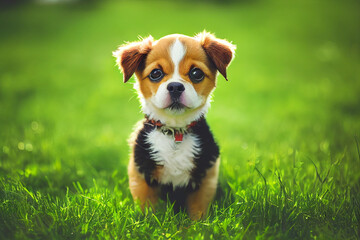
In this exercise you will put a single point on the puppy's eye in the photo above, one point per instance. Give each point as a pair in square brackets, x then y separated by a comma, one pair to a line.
[196, 75]
[156, 75]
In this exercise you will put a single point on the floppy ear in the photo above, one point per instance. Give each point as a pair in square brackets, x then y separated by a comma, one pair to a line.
[129, 56]
[220, 51]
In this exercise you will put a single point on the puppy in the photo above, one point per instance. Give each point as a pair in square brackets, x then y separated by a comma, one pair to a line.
[174, 155]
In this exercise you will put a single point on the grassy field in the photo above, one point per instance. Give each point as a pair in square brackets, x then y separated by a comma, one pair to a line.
[287, 121]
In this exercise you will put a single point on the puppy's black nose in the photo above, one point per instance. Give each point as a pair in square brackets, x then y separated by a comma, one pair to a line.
[175, 89]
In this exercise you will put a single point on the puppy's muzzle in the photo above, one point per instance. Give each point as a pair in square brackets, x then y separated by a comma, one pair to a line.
[175, 90]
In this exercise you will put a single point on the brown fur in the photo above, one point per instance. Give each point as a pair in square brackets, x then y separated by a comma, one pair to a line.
[198, 202]
[139, 189]
[159, 58]
[220, 51]
[130, 56]
[143, 56]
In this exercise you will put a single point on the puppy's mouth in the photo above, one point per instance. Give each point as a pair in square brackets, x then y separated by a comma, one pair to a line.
[176, 106]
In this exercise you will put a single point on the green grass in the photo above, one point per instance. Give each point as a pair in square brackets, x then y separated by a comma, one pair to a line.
[288, 121]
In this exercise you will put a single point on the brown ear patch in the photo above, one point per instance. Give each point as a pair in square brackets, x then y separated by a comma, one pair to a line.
[130, 56]
[219, 51]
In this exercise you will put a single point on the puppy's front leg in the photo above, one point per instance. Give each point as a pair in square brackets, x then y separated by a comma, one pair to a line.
[139, 189]
[198, 201]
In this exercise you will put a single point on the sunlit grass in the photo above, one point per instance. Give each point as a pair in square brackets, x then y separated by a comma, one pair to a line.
[287, 121]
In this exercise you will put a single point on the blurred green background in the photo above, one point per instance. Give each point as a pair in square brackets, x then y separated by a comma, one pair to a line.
[291, 107]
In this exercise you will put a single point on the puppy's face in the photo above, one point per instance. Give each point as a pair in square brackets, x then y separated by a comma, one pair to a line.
[176, 74]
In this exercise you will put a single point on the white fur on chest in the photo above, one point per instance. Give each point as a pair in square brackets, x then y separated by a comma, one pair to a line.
[177, 159]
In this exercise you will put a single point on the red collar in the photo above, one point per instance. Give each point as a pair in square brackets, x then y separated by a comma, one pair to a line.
[178, 133]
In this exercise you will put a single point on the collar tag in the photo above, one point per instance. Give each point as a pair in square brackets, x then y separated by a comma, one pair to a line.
[178, 137]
